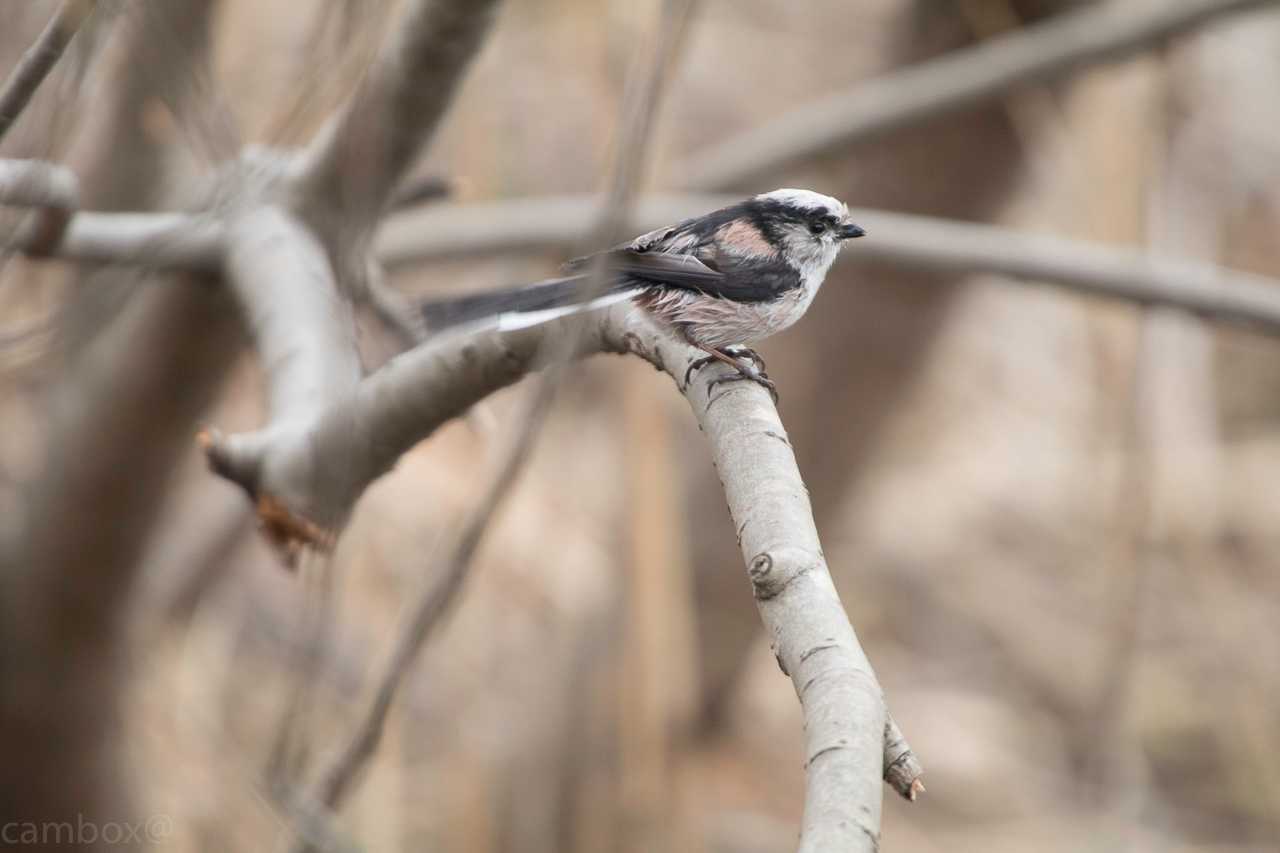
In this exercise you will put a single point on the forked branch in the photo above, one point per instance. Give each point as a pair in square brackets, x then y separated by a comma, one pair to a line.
[851, 742]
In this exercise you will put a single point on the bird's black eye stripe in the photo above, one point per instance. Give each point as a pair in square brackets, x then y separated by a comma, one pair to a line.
[821, 224]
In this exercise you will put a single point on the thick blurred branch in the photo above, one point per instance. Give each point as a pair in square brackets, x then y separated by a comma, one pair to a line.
[355, 165]
[171, 241]
[52, 190]
[39, 60]
[288, 255]
[931, 89]
[304, 333]
[897, 239]
[390, 411]
[301, 327]
[32, 183]
[120, 415]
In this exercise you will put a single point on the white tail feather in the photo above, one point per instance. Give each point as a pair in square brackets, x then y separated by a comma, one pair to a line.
[513, 320]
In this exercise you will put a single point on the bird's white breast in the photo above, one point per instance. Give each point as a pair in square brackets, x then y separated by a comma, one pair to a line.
[718, 323]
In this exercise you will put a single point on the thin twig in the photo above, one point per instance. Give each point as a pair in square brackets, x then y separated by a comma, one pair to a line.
[307, 658]
[393, 308]
[896, 239]
[310, 820]
[902, 769]
[427, 611]
[951, 83]
[39, 60]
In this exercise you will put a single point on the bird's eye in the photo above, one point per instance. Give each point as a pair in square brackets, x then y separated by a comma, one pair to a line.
[817, 227]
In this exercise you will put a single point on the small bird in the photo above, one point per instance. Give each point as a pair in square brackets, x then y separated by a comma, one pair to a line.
[722, 281]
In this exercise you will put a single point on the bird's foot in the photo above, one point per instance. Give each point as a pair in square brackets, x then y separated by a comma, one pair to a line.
[746, 371]
[738, 353]
[696, 365]
[746, 361]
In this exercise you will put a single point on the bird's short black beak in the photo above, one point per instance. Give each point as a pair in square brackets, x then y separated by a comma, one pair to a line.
[848, 231]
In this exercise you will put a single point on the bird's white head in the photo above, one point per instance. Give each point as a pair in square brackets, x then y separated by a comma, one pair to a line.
[808, 227]
[807, 201]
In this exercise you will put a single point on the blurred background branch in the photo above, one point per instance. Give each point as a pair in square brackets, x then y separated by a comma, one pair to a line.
[1104, 31]
[131, 380]
[39, 60]
[899, 240]
[355, 164]
[32, 183]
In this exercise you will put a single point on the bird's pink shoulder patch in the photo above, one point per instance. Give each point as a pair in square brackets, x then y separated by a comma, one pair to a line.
[744, 238]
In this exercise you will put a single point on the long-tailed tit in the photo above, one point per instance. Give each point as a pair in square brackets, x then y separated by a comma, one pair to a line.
[722, 281]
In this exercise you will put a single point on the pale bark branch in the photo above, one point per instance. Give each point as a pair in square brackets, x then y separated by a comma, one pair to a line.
[34, 183]
[302, 330]
[948, 84]
[897, 239]
[391, 410]
[850, 740]
[300, 325]
[1136, 276]
[355, 165]
[39, 60]
[52, 190]
[172, 241]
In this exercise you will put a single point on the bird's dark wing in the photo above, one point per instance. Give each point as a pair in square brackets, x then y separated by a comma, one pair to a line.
[694, 236]
[673, 239]
[690, 259]
[713, 273]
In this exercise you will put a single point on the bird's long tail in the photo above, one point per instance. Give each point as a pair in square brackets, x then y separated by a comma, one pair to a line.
[518, 308]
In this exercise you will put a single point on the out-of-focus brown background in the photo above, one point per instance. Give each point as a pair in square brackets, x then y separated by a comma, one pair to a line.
[1052, 518]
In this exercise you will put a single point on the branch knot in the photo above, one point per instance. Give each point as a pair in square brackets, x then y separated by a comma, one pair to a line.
[771, 573]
